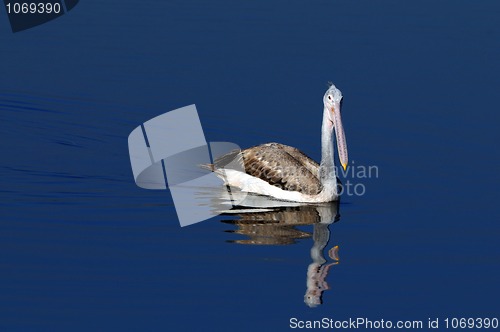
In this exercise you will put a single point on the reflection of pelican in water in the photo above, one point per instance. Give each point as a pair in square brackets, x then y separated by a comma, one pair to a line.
[283, 172]
[277, 225]
[317, 270]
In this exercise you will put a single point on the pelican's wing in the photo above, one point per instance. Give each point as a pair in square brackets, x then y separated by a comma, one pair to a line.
[282, 167]
[308, 163]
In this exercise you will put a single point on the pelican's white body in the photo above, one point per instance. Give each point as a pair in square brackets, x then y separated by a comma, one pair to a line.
[248, 183]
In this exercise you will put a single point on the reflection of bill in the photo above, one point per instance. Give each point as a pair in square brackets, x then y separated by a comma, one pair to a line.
[167, 151]
[25, 14]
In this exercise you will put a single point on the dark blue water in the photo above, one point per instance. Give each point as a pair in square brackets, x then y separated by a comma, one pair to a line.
[83, 248]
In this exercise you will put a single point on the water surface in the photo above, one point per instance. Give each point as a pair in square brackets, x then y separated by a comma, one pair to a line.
[83, 248]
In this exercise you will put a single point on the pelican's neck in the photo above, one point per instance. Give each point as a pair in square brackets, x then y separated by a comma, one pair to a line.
[327, 175]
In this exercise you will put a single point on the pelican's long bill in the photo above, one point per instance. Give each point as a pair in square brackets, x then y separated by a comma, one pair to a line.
[339, 133]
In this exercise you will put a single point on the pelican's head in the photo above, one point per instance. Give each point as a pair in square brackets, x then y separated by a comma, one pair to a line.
[332, 95]
[333, 101]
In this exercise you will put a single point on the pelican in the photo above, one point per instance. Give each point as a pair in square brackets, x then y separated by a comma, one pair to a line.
[285, 173]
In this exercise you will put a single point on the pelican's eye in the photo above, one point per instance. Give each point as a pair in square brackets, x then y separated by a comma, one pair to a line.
[329, 97]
